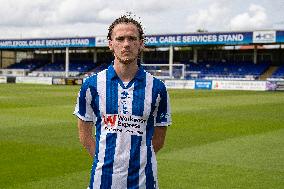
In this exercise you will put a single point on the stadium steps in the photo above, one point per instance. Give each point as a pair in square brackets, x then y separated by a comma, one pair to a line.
[268, 72]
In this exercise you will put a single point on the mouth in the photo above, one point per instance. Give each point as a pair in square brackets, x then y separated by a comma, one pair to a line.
[125, 52]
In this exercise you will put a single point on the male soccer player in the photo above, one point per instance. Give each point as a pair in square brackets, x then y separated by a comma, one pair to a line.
[130, 111]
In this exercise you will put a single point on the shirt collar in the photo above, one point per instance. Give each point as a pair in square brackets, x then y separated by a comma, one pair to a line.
[139, 74]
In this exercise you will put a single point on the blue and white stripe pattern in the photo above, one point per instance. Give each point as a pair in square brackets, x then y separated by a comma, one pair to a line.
[124, 117]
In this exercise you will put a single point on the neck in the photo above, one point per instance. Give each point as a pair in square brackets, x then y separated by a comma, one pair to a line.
[125, 71]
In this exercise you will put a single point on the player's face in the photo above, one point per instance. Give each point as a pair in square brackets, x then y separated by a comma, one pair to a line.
[125, 43]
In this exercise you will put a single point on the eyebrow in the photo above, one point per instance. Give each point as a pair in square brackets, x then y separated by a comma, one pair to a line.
[131, 37]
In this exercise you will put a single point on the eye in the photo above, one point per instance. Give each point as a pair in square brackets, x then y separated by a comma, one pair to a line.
[119, 39]
[132, 38]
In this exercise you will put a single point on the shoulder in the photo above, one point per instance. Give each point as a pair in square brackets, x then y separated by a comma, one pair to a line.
[158, 85]
[92, 79]
[154, 78]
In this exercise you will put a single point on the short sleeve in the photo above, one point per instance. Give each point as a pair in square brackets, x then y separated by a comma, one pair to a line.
[83, 109]
[163, 117]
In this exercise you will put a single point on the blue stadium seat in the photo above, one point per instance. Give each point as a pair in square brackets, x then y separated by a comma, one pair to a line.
[28, 64]
[75, 66]
[279, 73]
[227, 69]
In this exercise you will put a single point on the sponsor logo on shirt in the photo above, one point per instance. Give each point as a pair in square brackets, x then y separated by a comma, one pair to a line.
[125, 98]
[124, 124]
[110, 120]
[164, 116]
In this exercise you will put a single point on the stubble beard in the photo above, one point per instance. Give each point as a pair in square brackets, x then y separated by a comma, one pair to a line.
[126, 61]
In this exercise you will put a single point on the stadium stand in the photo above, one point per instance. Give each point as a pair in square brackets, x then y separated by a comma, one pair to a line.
[100, 66]
[28, 64]
[76, 68]
[53, 67]
[245, 70]
[81, 66]
[22, 68]
[278, 74]
[225, 70]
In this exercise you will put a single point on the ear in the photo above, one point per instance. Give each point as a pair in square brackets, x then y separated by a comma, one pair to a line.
[142, 45]
[110, 45]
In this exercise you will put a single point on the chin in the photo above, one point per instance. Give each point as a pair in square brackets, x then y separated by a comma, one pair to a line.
[126, 60]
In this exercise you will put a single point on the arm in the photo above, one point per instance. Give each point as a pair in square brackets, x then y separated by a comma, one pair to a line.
[159, 138]
[86, 137]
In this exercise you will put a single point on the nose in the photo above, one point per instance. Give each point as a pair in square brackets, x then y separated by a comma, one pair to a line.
[126, 42]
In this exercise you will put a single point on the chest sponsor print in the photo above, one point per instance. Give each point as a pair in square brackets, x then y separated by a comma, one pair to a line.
[134, 125]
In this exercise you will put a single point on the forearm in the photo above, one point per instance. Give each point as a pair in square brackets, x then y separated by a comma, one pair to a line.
[157, 146]
[159, 138]
[86, 136]
[90, 145]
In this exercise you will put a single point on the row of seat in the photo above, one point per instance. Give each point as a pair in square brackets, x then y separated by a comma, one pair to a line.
[193, 70]
[58, 66]
[228, 69]
[28, 64]
[279, 73]
[78, 66]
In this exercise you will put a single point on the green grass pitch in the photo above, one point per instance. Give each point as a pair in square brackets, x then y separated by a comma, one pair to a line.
[219, 139]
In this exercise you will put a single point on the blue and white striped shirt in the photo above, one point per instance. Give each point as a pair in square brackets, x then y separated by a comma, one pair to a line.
[124, 117]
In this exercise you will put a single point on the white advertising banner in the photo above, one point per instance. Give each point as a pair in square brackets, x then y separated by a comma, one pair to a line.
[3, 79]
[240, 85]
[34, 80]
[180, 84]
[101, 41]
[264, 37]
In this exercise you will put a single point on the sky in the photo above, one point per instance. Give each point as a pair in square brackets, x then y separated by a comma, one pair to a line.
[87, 18]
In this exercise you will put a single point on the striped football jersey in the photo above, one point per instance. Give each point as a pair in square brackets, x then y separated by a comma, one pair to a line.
[124, 116]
